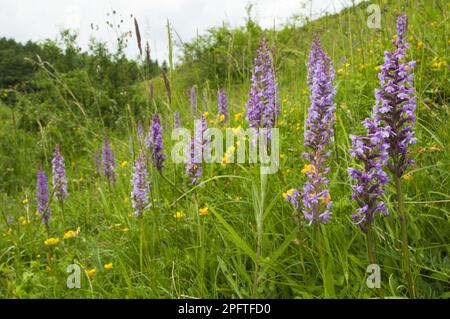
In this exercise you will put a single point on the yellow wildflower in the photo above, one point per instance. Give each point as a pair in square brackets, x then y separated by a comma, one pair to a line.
[238, 198]
[71, 233]
[407, 177]
[237, 116]
[288, 192]
[51, 241]
[285, 101]
[221, 118]
[205, 114]
[91, 272]
[326, 198]
[420, 45]
[123, 164]
[237, 130]
[25, 201]
[203, 211]
[225, 158]
[108, 266]
[308, 169]
[23, 220]
[125, 229]
[438, 63]
[179, 214]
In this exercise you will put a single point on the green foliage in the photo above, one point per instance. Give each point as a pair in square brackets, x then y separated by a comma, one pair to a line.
[74, 98]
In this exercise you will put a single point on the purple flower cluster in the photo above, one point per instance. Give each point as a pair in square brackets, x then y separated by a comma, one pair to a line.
[395, 101]
[141, 186]
[155, 143]
[222, 102]
[59, 175]
[372, 151]
[108, 161]
[193, 96]
[292, 196]
[263, 105]
[42, 196]
[198, 146]
[320, 119]
[319, 130]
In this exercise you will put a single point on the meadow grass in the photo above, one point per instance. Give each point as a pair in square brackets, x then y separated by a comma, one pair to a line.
[215, 255]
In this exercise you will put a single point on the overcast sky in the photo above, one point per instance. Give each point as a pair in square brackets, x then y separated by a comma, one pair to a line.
[38, 20]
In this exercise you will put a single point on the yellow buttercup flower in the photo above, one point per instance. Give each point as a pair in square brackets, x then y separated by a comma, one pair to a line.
[438, 63]
[237, 116]
[308, 169]
[205, 114]
[231, 149]
[25, 201]
[203, 211]
[125, 229]
[123, 164]
[288, 192]
[51, 241]
[108, 266]
[407, 177]
[23, 220]
[221, 118]
[91, 272]
[326, 198]
[179, 214]
[420, 45]
[71, 233]
[237, 130]
[285, 101]
[225, 158]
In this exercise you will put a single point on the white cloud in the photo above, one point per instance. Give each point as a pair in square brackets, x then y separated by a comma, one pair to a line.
[38, 20]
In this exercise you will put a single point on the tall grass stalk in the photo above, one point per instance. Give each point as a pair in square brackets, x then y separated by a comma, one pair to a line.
[259, 234]
[404, 230]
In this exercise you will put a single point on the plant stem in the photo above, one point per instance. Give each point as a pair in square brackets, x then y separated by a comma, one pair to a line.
[259, 234]
[323, 267]
[141, 243]
[404, 229]
[371, 254]
[63, 213]
[371, 245]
